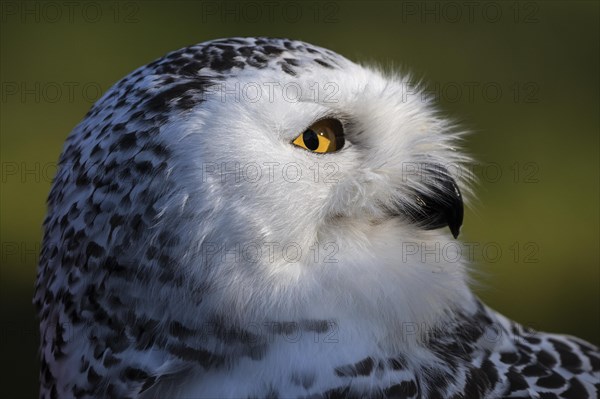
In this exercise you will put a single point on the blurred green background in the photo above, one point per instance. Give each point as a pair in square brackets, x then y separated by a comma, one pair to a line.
[523, 77]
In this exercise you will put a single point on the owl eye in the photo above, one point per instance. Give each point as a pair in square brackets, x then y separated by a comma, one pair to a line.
[326, 135]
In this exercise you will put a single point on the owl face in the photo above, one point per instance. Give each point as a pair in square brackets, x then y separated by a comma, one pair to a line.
[296, 154]
[304, 181]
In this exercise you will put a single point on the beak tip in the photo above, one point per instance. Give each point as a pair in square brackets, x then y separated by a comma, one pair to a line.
[455, 232]
[455, 221]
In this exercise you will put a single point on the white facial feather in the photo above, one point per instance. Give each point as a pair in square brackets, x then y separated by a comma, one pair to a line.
[254, 189]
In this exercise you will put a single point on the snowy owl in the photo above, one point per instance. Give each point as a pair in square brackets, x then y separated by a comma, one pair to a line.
[263, 218]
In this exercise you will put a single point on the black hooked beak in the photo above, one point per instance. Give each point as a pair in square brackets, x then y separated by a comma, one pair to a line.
[441, 204]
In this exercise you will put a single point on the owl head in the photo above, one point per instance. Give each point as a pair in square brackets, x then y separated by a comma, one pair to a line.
[259, 179]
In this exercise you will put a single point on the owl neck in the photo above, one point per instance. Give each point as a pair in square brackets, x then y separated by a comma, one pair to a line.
[385, 283]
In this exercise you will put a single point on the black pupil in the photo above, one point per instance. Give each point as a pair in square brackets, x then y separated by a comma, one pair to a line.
[311, 140]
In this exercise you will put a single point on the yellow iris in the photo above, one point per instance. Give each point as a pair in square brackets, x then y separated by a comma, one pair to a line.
[326, 135]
